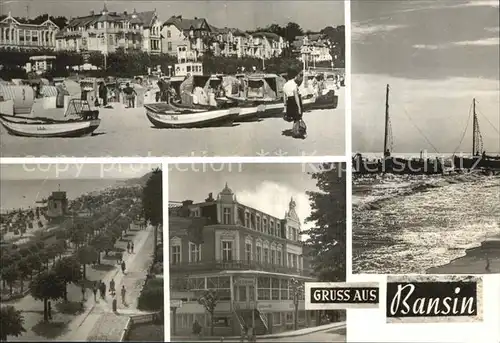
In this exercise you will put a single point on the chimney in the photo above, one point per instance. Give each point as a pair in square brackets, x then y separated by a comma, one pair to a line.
[92, 12]
[125, 12]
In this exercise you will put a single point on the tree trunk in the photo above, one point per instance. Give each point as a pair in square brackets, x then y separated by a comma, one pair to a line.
[10, 286]
[45, 310]
[296, 317]
[22, 285]
[65, 291]
[84, 274]
[211, 324]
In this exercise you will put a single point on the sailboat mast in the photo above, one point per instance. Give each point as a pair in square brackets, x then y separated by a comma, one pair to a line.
[386, 133]
[474, 126]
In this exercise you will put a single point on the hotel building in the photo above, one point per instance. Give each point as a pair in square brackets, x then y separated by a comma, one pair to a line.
[108, 31]
[252, 260]
[16, 35]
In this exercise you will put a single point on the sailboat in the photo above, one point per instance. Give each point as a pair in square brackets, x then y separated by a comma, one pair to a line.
[478, 160]
[395, 165]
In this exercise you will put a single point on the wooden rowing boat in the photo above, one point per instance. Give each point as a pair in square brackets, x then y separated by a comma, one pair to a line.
[48, 128]
[162, 116]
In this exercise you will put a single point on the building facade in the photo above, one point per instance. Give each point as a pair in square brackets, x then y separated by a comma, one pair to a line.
[107, 32]
[16, 35]
[254, 262]
[185, 35]
[313, 48]
[57, 205]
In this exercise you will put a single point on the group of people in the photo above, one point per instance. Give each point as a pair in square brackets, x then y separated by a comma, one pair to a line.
[167, 92]
[101, 288]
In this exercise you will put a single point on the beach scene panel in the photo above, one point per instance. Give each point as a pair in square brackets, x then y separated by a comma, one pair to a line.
[105, 80]
[81, 249]
[425, 114]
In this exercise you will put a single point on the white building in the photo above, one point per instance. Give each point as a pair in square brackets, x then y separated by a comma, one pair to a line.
[108, 31]
[16, 35]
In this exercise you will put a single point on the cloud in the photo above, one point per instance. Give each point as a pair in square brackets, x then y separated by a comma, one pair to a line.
[358, 31]
[478, 42]
[273, 198]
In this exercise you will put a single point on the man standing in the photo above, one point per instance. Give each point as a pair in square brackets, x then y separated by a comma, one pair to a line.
[130, 93]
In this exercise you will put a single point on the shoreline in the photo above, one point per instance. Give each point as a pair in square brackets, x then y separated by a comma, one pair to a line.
[475, 260]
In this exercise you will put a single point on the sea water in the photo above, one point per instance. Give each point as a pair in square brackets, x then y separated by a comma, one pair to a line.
[407, 224]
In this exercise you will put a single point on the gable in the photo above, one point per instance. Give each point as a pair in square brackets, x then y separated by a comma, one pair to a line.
[49, 23]
[10, 20]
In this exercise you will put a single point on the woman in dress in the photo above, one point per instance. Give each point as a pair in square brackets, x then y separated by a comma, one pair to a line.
[293, 103]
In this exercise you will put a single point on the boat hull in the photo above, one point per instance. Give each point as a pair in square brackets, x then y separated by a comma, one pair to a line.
[470, 163]
[40, 128]
[191, 120]
[261, 111]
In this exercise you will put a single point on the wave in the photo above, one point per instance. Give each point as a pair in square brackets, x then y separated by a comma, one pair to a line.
[370, 192]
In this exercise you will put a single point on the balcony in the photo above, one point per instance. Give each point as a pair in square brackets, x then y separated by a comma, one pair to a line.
[219, 265]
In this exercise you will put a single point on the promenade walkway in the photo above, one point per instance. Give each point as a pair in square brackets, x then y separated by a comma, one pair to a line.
[98, 322]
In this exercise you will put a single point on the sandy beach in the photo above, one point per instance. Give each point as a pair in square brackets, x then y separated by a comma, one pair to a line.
[475, 260]
[128, 133]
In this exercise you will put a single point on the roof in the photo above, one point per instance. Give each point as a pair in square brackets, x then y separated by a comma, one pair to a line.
[11, 20]
[142, 18]
[268, 35]
[184, 24]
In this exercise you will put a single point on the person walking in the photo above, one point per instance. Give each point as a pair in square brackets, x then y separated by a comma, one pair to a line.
[103, 285]
[94, 290]
[123, 293]
[103, 94]
[112, 290]
[293, 104]
[131, 247]
[128, 247]
[130, 93]
[123, 267]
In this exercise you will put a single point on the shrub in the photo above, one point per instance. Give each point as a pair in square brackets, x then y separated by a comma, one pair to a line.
[151, 298]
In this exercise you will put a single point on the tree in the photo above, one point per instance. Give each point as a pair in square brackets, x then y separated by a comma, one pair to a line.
[69, 271]
[297, 291]
[11, 322]
[152, 202]
[291, 31]
[10, 274]
[327, 238]
[24, 270]
[104, 242]
[87, 255]
[209, 300]
[47, 286]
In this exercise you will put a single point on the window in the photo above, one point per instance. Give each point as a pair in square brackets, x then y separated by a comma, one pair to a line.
[276, 318]
[227, 210]
[227, 250]
[264, 225]
[248, 251]
[289, 260]
[278, 257]
[169, 45]
[266, 255]
[176, 254]
[273, 256]
[289, 317]
[194, 252]
[259, 254]
[247, 219]
[271, 224]
[169, 34]
[284, 289]
[258, 224]
[278, 229]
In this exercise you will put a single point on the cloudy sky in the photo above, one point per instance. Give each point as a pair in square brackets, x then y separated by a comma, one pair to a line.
[74, 171]
[267, 187]
[313, 15]
[436, 56]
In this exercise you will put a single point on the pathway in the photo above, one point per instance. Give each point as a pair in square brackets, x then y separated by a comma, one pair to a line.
[99, 323]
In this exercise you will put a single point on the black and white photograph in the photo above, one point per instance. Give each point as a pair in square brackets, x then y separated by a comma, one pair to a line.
[243, 240]
[81, 252]
[425, 137]
[172, 78]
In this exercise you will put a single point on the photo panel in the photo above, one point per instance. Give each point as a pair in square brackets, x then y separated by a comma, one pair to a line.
[425, 137]
[82, 252]
[243, 240]
[225, 78]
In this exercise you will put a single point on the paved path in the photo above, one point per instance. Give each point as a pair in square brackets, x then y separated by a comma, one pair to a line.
[99, 323]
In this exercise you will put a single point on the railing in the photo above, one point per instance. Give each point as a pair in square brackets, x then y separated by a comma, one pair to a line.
[235, 265]
[264, 320]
